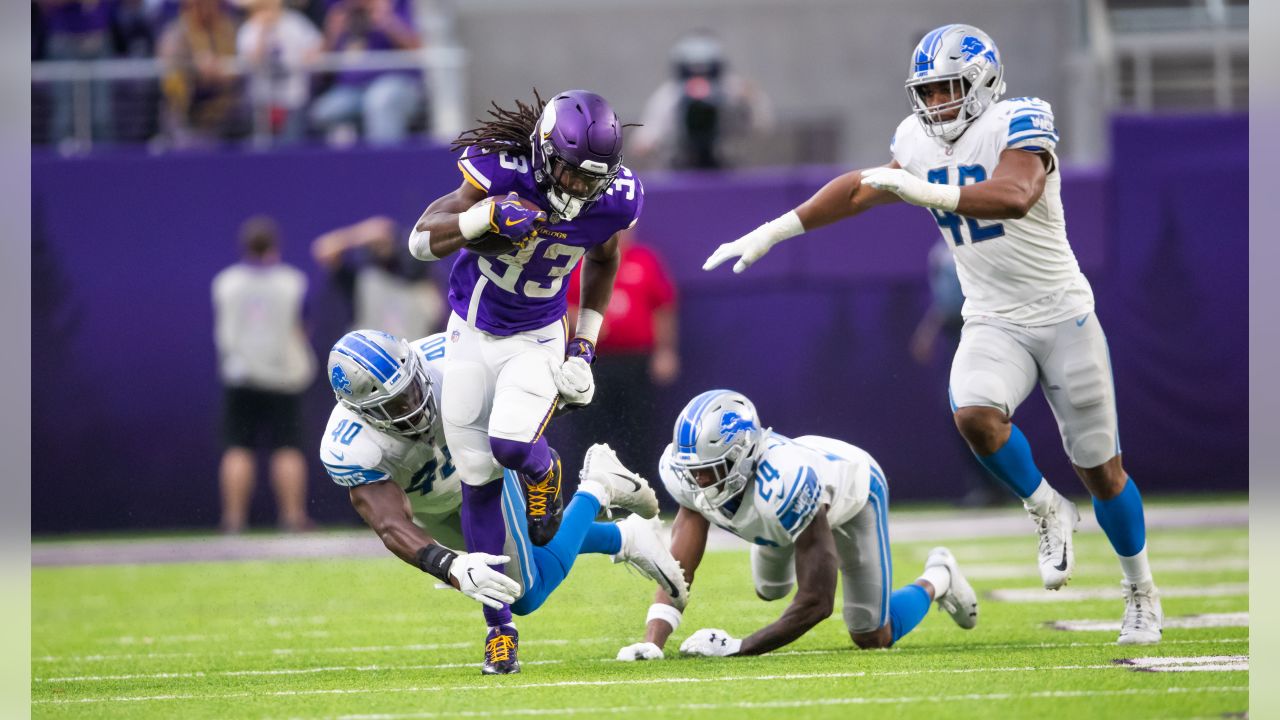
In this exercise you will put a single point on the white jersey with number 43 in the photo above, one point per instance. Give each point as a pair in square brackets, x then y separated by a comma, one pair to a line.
[793, 479]
[1022, 271]
[356, 453]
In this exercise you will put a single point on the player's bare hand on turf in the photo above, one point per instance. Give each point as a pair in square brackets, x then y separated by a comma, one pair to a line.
[640, 651]
[508, 217]
[748, 249]
[710, 642]
[473, 576]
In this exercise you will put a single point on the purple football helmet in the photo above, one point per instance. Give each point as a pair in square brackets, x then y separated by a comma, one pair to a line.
[577, 151]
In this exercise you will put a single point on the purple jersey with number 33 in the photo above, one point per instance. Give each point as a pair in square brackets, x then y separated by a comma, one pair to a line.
[526, 290]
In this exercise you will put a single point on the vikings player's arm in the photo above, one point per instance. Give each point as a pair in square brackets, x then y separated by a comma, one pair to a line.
[467, 214]
[816, 564]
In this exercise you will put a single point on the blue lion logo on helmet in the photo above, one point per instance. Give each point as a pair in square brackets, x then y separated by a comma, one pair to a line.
[972, 46]
[732, 423]
[339, 380]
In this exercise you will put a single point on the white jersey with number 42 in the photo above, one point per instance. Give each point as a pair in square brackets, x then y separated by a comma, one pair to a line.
[356, 453]
[1022, 271]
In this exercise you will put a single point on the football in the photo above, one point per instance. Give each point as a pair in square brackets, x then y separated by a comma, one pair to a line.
[491, 244]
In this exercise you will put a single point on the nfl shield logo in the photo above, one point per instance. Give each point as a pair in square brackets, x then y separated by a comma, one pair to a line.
[453, 337]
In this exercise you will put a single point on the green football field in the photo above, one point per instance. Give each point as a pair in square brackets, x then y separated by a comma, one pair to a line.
[371, 638]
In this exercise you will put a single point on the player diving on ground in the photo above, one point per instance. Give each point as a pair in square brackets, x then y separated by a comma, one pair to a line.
[384, 442]
[811, 507]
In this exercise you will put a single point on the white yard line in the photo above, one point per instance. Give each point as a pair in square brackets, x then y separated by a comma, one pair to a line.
[1206, 620]
[1028, 569]
[1080, 594]
[575, 683]
[781, 704]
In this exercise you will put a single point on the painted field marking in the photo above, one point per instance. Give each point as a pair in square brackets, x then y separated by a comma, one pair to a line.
[1203, 663]
[817, 702]
[280, 671]
[1207, 620]
[111, 657]
[572, 683]
[1010, 571]
[1040, 595]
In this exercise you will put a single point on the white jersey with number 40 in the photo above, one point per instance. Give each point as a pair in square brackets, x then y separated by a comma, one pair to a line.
[1022, 271]
[356, 453]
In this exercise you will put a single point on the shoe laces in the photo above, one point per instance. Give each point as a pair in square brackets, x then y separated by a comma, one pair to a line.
[542, 493]
[1048, 539]
[499, 648]
[1139, 608]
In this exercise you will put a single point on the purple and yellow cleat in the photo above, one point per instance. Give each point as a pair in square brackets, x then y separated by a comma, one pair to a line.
[500, 651]
[544, 504]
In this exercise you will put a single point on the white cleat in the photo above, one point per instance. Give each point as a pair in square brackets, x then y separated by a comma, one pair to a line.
[625, 489]
[960, 601]
[1143, 616]
[1057, 554]
[644, 549]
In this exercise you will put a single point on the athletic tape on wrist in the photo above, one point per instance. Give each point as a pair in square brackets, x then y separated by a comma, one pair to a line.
[589, 323]
[474, 223]
[666, 613]
[436, 560]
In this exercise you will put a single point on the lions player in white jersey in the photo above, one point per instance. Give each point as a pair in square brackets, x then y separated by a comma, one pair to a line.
[809, 506]
[988, 172]
[384, 442]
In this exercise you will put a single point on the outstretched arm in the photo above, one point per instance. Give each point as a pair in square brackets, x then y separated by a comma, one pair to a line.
[688, 542]
[385, 508]
[843, 197]
[1010, 193]
[816, 564]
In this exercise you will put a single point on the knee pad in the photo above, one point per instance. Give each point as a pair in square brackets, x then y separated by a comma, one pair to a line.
[1093, 449]
[982, 388]
[474, 467]
[464, 393]
[773, 591]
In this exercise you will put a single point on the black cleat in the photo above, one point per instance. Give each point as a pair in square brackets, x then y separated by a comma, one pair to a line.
[544, 504]
[500, 651]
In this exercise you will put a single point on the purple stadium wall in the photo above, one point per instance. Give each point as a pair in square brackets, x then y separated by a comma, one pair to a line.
[126, 396]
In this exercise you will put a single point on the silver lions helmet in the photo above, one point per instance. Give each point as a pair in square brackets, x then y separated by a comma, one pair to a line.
[967, 60]
[718, 431]
[380, 378]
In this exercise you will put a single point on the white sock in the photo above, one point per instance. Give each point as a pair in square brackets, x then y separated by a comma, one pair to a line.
[940, 578]
[595, 490]
[1137, 571]
[1041, 500]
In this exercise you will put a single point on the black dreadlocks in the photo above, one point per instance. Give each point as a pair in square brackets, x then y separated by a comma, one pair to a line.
[509, 130]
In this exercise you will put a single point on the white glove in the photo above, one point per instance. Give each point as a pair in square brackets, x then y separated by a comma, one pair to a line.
[710, 642]
[482, 583]
[913, 189]
[640, 651]
[752, 246]
[574, 380]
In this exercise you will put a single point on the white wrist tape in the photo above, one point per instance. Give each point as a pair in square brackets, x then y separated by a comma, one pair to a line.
[941, 197]
[474, 222]
[420, 245]
[589, 322]
[665, 613]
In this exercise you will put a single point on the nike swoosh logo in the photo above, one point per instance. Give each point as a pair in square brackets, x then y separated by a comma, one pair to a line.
[1062, 566]
[634, 485]
[1080, 322]
[672, 590]
[543, 341]
[509, 223]
[340, 456]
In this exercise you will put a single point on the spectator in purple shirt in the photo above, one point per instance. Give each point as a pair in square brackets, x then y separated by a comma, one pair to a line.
[78, 30]
[384, 101]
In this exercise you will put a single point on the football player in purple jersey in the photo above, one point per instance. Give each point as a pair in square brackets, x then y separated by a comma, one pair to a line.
[512, 361]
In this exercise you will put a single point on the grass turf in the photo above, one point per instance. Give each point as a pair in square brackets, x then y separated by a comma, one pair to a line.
[307, 639]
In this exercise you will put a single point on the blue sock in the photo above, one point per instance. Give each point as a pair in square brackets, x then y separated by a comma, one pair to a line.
[603, 538]
[1122, 520]
[907, 607]
[555, 559]
[1012, 464]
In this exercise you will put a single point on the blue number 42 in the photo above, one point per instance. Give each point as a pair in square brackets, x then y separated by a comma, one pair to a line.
[968, 174]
